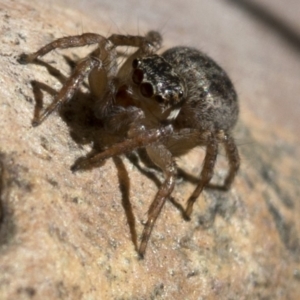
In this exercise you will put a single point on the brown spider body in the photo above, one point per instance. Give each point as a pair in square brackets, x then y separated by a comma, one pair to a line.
[167, 104]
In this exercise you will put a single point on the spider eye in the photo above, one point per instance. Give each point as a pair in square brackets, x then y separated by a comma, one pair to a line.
[180, 94]
[146, 90]
[159, 99]
[137, 76]
[135, 63]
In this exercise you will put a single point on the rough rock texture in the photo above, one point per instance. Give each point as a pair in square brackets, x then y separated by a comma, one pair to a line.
[73, 236]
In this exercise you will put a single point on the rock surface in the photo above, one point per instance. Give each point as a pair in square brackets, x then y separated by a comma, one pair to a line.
[73, 236]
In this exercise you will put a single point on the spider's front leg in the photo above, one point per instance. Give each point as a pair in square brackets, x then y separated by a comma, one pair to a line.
[83, 68]
[162, 157]
[158, 153]
[147, 44]
[63, 43]
[70, 87]
[141, 139]
[114, 103]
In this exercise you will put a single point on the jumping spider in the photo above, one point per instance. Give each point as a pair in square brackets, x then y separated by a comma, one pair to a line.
[167, 104]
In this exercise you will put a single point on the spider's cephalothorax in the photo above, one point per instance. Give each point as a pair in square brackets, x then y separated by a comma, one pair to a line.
[159, 91]
[167, 104]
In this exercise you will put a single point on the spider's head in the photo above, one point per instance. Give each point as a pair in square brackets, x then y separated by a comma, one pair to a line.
[158, 89]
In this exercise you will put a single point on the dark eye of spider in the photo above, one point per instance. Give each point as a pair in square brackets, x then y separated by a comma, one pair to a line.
[180, 94]
[135, 63]
[146, 90]
[137, 76]
[159, 99]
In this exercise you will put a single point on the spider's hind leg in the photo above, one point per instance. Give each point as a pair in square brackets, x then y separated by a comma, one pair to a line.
[232, 154]
[233, 159]
[207, 170]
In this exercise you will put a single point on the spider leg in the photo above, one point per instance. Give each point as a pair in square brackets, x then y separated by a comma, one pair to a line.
[140, 140]
[233, 159]
[207, 171]
[105, 83]
[63, 43]
[151, 42]
[162, 157]
[146, 45]
[70, 87]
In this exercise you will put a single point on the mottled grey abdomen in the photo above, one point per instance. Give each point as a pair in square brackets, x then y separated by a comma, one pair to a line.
[211, 102]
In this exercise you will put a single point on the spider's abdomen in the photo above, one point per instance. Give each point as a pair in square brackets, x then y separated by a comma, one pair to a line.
[211, 102]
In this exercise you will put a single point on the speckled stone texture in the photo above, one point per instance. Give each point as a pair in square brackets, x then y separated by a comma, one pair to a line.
[73, 236]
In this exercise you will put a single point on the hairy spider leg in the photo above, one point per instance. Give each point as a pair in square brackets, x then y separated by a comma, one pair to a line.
[150, 42]
[63, 43]
[69, 88]
[209, 163]
[92, 65]
[160, 155]
[207, 170]
[163, 158]
[233, 159]
[167, 165]
[141, 140]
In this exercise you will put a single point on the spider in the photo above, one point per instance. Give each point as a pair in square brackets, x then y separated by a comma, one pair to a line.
[166, 104]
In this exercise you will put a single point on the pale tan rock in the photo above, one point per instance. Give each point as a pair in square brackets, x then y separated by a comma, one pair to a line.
[71, 236]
